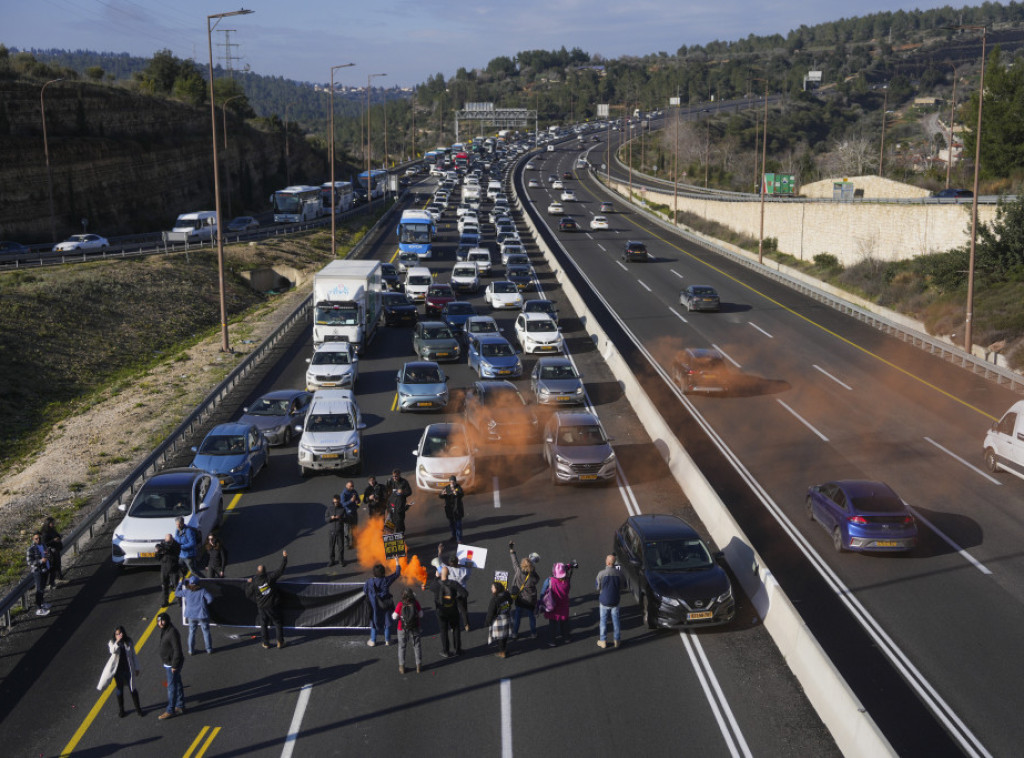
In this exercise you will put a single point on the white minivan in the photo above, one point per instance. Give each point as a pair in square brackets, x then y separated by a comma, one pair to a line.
[1004, 442]
[465, 277]
[493, 189]
[417, 280]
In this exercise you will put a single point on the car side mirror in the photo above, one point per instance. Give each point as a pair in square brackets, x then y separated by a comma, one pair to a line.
[361, 425]
[298, 429]
[309, 360]
[245, 410]
[415, 451]
[549, 440]
[122, 507]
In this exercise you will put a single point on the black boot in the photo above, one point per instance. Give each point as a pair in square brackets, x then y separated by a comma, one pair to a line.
[120, 703]
[135, 699]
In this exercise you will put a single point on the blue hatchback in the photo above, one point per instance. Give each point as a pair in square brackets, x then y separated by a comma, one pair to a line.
[234, 453]
[492, 357]
[862, 516]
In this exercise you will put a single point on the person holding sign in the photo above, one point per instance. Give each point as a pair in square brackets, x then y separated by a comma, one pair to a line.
[498, 618]
[378, 593]
[453, 509]
[262, 590]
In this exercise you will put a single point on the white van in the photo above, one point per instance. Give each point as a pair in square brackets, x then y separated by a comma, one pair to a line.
[417, 280]
[481, 257]
[1004, 442]
[331, 436]
[493, 189]
[465, 277]
[196, 226]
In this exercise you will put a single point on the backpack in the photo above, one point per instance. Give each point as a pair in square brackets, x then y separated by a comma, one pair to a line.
[410, 619]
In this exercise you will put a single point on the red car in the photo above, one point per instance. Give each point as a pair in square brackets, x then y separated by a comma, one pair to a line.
[438, 296]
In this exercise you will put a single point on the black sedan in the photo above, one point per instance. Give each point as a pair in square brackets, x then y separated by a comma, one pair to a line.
[520, 275]
[700, 297]
[568, 224]
[672, 573]
[397, 309]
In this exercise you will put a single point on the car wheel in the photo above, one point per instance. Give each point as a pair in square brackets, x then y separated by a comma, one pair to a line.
[810, 509]
[303, 472]
[990, 460]
[837, 540]
[287, 439]
[648, 612]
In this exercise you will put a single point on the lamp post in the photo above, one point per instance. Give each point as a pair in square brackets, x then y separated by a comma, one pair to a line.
[369, 142]
[225, 347]
[763, 187]
[224, 130]
[46, 152]
[334, 242]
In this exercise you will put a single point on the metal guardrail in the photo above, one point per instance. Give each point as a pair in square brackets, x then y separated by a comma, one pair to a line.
[181, 437]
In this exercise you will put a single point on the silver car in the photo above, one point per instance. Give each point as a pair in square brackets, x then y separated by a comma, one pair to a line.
[422, 386]
[555, 381]
[577, 449]
[276, 413]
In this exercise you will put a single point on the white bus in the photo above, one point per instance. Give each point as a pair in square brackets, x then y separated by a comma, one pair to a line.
[293, 205]
[343, 195]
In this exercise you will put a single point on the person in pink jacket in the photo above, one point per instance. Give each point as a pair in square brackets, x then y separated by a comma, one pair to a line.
[558, 586]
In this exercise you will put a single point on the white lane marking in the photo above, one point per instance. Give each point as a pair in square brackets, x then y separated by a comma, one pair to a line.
[497, 492]
[506, 718]
[841, 384]
[727, 725]
[293, 728]
[589, 235]
[626, 491]
[761, 330]
[622, 265]
[803, 421]
[960, 551]
[638, 281]
[726, 355]
[676, 273]
[601, 246]
[971, 466]
[678, 315]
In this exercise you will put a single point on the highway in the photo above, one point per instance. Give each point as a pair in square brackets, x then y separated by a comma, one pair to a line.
[724, 691]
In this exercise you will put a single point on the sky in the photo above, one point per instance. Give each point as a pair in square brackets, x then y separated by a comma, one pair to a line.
[409, 41]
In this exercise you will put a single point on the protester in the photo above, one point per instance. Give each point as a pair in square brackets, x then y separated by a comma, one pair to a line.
[350, 518]
[376, 498]
[609, 588]
[446, 601]
[39, 562]
[334, 516]
[216, 557]
[559, 584]
[122, 667]
[168, 553]
[378, 593]
[398, 502]
[498, 619]
[409, 614]
[188, 539]
[197, 601]
[55, 545]
[173, 659]
[262, 590]
[453, 508]
[458, 572]
[523, 589]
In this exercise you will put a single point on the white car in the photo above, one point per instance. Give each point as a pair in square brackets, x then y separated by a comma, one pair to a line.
[82, 243]
[462, 210]
[538, 333]
[530, 166]
[444, 451]
[481, 256]
[533, 184]
[331, 436]
[465, 277]
[568, 196]
[503, 295]
[469, 219]
[510, 248]
[334, 364]
[555, 209]
[406, 260]
[599, 222]
[558, 184]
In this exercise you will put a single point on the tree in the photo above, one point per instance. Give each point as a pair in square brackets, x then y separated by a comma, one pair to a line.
[1000, 245]
[162, 70]
[95, 73]
[1002, 144]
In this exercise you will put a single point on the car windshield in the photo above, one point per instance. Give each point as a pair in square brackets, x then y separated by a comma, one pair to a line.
[504, 288]
[330, 358]
[445, 445]
[589, 434]
[422, 375]
[517, 271]
[483, 327]
[557, 372]
[439, 292]
[409, 258]
[502, 397]
[268, 407]
[337, 315]
[540, 325]
[396, 298]
[436, 333]
[330, 422]
[460, 309]
[496, 350]
[223, 444]
[706, 362]
[418, 281]
[162, 502]
[677, 555]
[537, 306]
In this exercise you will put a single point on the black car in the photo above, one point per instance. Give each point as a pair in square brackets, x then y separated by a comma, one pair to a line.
[567, 175]
[389, 276]
[455, 314]
[521, 275]
[12, 249]
[951, 192]
[397, 309]
[634, 251]
[672, 574]
[568, 224]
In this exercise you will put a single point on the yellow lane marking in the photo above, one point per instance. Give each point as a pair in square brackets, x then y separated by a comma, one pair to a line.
[394, 403]
[202, 732]
[234, 502]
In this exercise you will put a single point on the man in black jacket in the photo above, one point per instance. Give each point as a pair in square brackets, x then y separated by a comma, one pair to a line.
[172, 657]
[169, 553]
[262, 590]
[398, 500]
[453, 509]
[447, 594]
[335, 517]
[376, 498]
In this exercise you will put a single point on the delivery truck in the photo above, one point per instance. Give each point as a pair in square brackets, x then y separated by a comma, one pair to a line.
[347, 303]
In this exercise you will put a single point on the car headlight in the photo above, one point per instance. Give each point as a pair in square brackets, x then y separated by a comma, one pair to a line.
[421, 469]
[305, 448]
[545, 391]
[725, 596]
[562, 459]
[239, 468]
[403, 395]
[670, 601]
[609, 459]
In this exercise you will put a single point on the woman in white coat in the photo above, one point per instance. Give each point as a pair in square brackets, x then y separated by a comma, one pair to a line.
[122, 667]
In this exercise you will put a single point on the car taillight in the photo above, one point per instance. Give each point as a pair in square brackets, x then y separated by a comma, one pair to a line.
[857, 520]
[908, 520]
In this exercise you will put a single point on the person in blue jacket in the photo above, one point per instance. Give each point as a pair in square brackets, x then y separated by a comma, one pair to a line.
[382, 604]
[188, 539]
[197, 600]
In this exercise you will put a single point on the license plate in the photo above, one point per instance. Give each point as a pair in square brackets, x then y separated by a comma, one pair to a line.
[423, 405]
[328, 384]
[442, 355]
[887, 543]
[699, 615]
[326, 456]
[504, 372]
[587, 477]
[563, 398]
[147, 555]
[546, 347]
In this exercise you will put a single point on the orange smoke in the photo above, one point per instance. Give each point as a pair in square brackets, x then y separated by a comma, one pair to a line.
[370, 552]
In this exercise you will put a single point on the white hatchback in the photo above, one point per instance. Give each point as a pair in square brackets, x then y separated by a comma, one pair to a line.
[501, 295]
[538, 333]
[599, 222]
[444, 451]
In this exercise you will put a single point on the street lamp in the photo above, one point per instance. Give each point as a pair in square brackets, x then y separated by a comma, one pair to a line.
[369, 143]
[46, 152]
[334, 207]
[764, 157]
[225, 347]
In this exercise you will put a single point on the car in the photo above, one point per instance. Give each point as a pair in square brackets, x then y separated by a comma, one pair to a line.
[276, 413]
[506, 235]
[555, 381]
[422, 386]
[674, 576]
[188, 493]
[520, 274]
[703, 370]
[406, 260]
[577, 449]
[334, 364]
[530, 166]
[540, 305]
[435, 341]
[481, 325]
[568, 196]
[418, 280]
[492, 357]
[234, 453]
[496, 412]
[552, 178]
[503, 294]
[464, 210]
[700, 297]
[607, 207]
[390, 279]
[461, 251]
[538, 333]
[469, 225]
[397, 309]
[82, 243]
[465, 277]
[567, 175]
[512, 247]
[8, 248]
[555, 208]
[435, 210]
[499, 212]
[438, 296]
[243, 224]
[331, 436]
[470, 237]
[598, 222]
[456, 313]
[634, 251]
[568, 224]
[444, 451]
[557, 184]
[862, 516]
[950, 192]
[481, 256]
[533, 184]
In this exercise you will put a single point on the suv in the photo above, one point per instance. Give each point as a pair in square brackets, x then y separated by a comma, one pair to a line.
[577, 449]
[635, 251]
[334, 364]
[538, 333]
[330, 434]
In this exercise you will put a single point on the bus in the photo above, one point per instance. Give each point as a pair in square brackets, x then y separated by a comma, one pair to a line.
[293, 205]
[378, 183]
[415, 233]
[342, 197]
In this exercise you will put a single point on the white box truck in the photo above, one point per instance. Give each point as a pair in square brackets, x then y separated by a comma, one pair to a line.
[347, 302]
[198, 226]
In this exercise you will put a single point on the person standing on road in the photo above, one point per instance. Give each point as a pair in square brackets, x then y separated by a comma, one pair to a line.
[446, 601]
[378, 594]
[558, 617]
[38, 561]
[498, 619]
[334, 516]
[457, 572]
[350, 504]
[410, 623]
[55, 546]
[376, 498]
[609, 588]
[173, 659]
[122, 667]
[523, 589]
[216, 557]
[398, 501]
[453, 508]
[168, 553]
[188, 539]
[197, 611]
[262, 590]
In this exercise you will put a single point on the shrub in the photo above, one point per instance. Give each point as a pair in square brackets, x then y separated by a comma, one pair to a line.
[828, 263]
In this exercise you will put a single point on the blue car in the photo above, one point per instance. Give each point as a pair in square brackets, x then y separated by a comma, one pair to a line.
[862, 516]
[492, 357]
[456, 313]
[234, 453]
